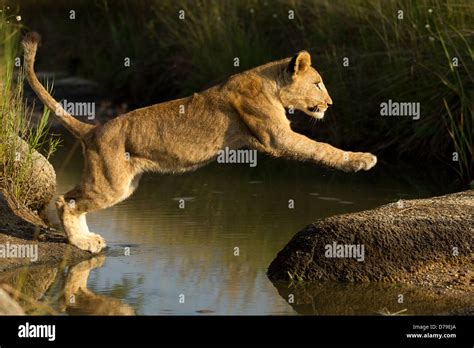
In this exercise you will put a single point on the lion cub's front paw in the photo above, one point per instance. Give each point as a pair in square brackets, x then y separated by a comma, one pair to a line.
[359, 161]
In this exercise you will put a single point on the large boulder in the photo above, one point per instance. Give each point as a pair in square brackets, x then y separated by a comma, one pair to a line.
[398, 240]
[39, 182]
[21, 221]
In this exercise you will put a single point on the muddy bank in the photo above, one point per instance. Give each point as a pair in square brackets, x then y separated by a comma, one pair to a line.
[16, 232]
[33, 256]
[423, 242]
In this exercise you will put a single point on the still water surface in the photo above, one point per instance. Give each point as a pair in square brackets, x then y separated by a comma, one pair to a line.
[191, 251]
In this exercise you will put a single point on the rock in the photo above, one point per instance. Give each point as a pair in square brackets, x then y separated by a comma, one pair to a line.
[21, 222]
[39, 185]
[400, 241]
[9, 306]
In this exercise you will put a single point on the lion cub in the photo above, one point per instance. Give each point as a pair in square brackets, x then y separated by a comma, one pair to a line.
[181, 135]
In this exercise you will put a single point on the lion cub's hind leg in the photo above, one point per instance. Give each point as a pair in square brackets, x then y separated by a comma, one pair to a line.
[104, 184]
[75, 226]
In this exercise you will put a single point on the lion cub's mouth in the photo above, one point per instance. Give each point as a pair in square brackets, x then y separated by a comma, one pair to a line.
[316, 112]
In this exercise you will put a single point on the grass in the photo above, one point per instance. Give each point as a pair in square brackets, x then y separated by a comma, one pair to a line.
[404, 56]
[407, 59]
[19, 139]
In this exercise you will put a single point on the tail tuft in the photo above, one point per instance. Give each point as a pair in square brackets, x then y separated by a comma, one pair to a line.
[31, 39]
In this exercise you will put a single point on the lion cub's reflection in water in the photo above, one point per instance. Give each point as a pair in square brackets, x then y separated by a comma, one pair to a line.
[77, 298]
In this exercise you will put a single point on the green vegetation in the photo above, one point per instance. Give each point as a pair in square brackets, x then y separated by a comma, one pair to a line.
[18, 137]
[407, 51]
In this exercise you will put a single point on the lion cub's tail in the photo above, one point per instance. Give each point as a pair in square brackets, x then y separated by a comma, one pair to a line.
[77, 128]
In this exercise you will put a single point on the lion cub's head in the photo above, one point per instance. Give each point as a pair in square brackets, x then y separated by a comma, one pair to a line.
[304, 89]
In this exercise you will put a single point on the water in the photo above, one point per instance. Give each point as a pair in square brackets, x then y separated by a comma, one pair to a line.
[192, 251]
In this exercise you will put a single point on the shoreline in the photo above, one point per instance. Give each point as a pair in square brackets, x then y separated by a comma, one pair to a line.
[51, 245]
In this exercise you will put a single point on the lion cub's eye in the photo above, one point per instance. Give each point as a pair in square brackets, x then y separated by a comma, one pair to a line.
[318, 85]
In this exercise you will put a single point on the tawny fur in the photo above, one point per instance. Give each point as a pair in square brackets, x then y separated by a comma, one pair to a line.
[184, 134]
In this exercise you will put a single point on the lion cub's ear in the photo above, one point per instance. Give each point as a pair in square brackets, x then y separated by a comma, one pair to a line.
[299, 63]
